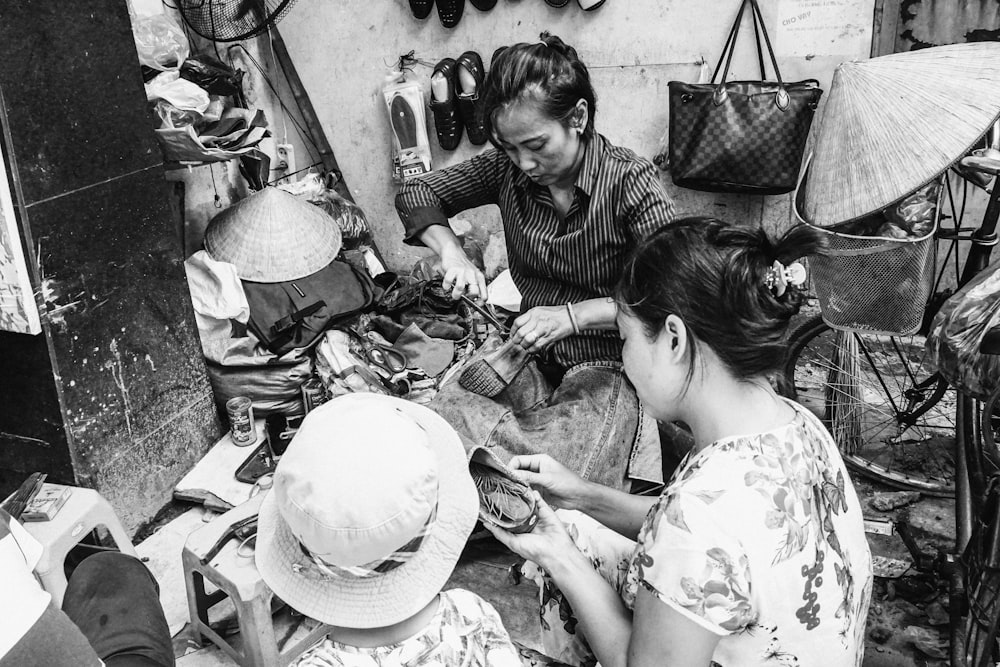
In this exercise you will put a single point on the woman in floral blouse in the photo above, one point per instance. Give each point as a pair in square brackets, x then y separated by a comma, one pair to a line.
[755, 552]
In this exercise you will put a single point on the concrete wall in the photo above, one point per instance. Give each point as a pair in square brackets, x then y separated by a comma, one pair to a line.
[632, 47]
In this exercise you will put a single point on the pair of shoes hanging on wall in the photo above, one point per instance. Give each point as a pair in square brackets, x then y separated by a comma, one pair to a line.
[585, 5]
[456, 100]
[449, 11]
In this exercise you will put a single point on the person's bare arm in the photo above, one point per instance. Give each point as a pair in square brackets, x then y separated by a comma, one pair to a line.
[460, 275]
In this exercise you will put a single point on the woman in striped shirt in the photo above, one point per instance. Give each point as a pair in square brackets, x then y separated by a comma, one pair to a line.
[572, 206]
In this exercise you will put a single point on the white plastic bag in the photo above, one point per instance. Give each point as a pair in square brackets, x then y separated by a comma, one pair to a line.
[160, 42]
[217, 296]
[183, 94]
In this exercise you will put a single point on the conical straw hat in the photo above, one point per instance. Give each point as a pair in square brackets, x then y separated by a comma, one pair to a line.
[273, 236]
[895, 123]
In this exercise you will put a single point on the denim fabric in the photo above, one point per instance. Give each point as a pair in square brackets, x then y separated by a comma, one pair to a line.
[591, 422]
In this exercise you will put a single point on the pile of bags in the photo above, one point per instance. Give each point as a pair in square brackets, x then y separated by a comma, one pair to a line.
[192, 97]
[278, 301]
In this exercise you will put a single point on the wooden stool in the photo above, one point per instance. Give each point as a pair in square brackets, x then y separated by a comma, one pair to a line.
[236, 577]
[84, 511]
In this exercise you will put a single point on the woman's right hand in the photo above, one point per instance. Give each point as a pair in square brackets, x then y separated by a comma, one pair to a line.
[560, 486]
[461, 275]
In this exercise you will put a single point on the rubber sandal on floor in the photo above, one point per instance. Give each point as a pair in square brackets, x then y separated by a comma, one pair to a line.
[587, 6]
[557, 3]
[484, 5]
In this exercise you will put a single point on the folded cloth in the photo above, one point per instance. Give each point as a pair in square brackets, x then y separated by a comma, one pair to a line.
[436, 327]
[433, 355]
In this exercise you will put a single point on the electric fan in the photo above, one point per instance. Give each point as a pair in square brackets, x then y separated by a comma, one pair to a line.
[232, 20]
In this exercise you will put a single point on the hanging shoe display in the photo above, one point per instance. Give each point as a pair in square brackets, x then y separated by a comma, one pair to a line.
[470, 75]
[447, 121]
[483, 5]
[421, 8]
[450, 12]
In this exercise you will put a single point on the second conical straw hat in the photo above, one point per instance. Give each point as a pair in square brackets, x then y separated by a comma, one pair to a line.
[272, 236]
[894, 123]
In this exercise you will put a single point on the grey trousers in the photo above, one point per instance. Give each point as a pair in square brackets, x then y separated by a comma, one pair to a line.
[591, 422]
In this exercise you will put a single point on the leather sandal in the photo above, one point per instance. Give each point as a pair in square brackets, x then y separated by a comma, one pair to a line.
[447, 119]
[421, 8]
[484, 5]
[450, 12]
[470, 105]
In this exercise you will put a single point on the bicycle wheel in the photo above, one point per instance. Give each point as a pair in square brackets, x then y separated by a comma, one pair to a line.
[990, 430]
[893, 416]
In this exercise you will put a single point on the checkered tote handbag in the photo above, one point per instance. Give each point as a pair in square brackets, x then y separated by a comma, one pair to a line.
[740, 136]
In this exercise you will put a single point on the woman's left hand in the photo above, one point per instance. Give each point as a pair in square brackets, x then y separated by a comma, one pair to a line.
[548, 540]
[540, 327]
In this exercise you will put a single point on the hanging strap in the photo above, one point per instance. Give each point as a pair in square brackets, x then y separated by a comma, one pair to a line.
[730, 47]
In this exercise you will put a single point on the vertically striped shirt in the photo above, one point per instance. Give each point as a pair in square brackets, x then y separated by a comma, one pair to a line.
[553, 261]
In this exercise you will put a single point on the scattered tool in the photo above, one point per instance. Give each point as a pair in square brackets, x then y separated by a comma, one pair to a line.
[489, 316]
[240, 530]
[29, 489]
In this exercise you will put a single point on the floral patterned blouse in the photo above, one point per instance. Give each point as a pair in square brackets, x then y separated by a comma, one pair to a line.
[466, 631]
[760, 540]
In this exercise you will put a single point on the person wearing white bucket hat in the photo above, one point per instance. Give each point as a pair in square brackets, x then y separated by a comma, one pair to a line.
[371, 507]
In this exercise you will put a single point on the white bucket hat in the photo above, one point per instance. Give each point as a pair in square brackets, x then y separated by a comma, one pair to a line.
[371, 507]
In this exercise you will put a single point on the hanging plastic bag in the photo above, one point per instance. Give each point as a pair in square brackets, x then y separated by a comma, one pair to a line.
[160, 42]
[319, 191]
[172, 117]
[958, 330]
[212, 74]
[181, 93]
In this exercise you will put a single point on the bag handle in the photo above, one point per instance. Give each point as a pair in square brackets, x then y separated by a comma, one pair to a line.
[730, 47]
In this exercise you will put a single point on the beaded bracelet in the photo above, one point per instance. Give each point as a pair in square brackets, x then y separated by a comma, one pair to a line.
[572, 319]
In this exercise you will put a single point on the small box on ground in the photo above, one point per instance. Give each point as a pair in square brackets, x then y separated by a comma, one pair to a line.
[45, 505]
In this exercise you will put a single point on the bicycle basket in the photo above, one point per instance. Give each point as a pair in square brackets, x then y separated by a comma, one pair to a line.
[875, 284]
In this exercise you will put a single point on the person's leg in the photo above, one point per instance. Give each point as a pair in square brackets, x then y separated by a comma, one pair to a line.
[589, 423]
[114, 600]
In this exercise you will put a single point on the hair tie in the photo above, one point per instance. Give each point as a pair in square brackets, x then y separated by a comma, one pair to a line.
[779, 277]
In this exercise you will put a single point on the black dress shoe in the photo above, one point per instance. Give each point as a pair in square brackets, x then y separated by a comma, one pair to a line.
[484, 5]
[421, 8]
[447, 121]
[470, 104]
[450, 12]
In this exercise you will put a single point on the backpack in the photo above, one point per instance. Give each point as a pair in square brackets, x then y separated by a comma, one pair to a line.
[293, 313]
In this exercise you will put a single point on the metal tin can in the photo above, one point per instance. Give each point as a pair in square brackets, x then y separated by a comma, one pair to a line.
[241, 426]
[313, 394]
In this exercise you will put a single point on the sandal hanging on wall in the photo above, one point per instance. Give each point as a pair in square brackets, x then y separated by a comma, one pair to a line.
[450, 12]
[470, 98]
[484, 5]
[589, 5]
[421, 8]
[447, 121]
[557, 3]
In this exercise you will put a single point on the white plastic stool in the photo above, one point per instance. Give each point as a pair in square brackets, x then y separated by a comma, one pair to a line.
[84, 511]
[235, 577]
